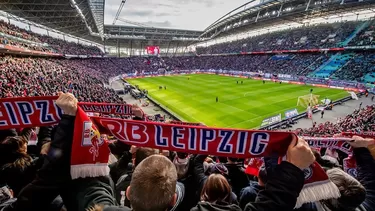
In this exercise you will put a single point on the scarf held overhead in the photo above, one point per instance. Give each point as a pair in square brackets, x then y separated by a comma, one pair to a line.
[42, 111]
[90, 151]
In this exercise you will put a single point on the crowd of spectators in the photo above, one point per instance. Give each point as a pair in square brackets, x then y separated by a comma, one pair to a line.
[53, 44]
[43, 77]
[366, 36]
[359, 121]
[37, 177]
[360, 65]
[306, 37]
[294, 64]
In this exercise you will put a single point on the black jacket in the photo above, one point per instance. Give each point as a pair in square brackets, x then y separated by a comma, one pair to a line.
[53, 178]
[237, 177]
[17, 177]
[366, 176]
[281, 191]
[206, 206]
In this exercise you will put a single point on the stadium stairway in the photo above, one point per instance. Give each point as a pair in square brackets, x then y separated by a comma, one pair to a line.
[334, 63]
[355, 32]
[369, 78]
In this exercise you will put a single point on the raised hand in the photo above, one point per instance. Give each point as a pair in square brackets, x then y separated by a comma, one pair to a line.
[299, 154]
[68, 103]
[361, 142]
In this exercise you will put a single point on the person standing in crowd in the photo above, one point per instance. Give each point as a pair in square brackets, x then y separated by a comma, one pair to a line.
[360, 106]
[356, 195]
[322, 114]
[216, 195]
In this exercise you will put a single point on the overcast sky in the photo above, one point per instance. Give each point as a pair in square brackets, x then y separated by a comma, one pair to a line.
[179, 14]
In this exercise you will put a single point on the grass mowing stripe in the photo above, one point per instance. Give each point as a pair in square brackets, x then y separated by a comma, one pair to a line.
[240, 105]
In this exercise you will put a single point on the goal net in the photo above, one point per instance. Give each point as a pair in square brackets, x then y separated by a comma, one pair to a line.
[307, 100]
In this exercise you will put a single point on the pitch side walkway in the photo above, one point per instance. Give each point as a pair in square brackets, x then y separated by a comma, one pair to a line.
[338, 111]
[150, 110]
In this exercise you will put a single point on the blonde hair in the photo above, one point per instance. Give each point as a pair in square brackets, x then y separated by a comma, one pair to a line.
[96, 207]
[216, 189]
[153, 184]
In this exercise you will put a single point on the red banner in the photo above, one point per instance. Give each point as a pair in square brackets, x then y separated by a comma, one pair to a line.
[196, 139]
[42, 111]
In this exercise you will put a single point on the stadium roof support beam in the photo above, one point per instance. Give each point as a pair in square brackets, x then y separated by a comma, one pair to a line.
[119, 11]
[307, 6]
[256, 19]
[279, 12]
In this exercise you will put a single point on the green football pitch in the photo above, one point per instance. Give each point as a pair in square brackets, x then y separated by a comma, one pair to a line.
[240, 105]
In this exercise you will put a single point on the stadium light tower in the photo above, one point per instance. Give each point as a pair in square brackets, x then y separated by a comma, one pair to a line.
[119, 11]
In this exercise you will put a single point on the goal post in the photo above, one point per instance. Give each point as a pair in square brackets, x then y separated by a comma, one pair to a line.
[307, 100]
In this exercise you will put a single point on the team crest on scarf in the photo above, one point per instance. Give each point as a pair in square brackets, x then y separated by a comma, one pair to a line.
[92, 139]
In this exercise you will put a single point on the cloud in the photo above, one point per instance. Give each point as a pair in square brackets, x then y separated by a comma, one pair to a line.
[179, 14]
[139, 13]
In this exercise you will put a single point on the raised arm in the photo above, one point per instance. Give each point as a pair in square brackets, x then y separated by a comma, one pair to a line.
[286, 181]
[365, 168]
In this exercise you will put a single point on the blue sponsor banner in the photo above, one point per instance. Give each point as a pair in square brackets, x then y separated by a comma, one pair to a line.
[291, 113]
[271, 120]
[282, 57]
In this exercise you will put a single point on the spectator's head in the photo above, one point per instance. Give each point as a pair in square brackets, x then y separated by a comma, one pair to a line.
[216, 189]
[233, 160]
[6, 133]
[181, 161]
[351, 190]
[14, 150]
[153, 185]
[217, 168]
[262, 175]
[143, 153]
[118, 148]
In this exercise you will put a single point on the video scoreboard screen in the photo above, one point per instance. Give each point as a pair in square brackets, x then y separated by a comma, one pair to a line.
[153, 50]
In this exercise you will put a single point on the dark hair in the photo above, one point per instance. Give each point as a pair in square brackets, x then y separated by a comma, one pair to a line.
[11, 154]
[143, 153]
[233, 159]
[182, 155]
[216, 189]
[218, 168]
[117, 148]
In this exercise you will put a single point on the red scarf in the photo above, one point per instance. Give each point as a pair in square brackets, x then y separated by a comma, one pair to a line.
[42, 111]
[90, 152]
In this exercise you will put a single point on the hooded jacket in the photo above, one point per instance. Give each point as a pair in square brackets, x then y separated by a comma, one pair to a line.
[366, 176]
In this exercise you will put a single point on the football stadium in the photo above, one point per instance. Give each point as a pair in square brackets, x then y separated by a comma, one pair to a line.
[187, 105]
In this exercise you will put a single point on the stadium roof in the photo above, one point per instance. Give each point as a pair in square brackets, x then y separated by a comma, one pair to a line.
[148, 36]
[85, 19]
[275, 12]
[80, 18]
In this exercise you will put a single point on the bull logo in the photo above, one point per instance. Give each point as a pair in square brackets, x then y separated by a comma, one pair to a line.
[92, 139]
